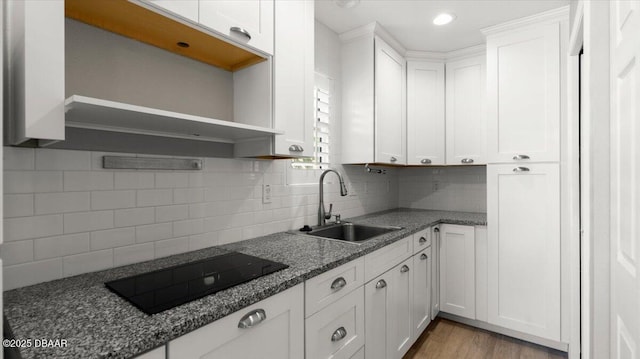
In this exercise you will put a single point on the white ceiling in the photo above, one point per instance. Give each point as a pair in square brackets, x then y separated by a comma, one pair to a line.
[410, 21]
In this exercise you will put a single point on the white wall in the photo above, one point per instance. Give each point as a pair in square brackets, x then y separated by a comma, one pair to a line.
[65, 215]
[444, 188]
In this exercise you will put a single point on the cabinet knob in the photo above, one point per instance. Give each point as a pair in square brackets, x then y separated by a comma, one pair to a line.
[520, 157]
[241, 31]
[381, 284]
[436, 229]
[404, 269]
[521, 169]
[467, 160]
[422, 240]
[425, 161]
[252, 318]
[393, 159]
[339, 334]
[424, 256]
[338, 284]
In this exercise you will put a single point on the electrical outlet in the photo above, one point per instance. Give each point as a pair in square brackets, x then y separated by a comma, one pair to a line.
[266, 193]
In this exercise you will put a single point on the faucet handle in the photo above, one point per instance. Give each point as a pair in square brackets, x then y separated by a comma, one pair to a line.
[327, 215]
[338, 220]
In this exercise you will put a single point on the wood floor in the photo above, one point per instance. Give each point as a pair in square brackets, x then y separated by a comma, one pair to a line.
[444, 339]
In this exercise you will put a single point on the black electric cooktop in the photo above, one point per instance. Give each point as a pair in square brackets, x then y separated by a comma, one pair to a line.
[166, 288]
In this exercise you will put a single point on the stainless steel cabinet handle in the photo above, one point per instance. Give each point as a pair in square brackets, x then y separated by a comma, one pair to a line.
[425, 161]
[381, 284]
[339, 334]
[252, 318]
[296, 148]
[521, 169]
[404, 269]
[393, 159]
[338, 284]
[520, 157]
[423, 256]
[422, 240]
[242, 31]
[467, 160]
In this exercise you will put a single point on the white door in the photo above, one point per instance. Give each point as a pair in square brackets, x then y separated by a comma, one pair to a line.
[457, 270]
[399, 325]
[435, 272]
[625, 179]
[425, 113]
[421, 291]
[377, 298]
[523, 216]
[390, 107]
[248, 21]
[523, 94]
[294, 78]
[466, 129]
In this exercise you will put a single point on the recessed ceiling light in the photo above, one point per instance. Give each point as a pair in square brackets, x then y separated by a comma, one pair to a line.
[443, 19]
[347, 4]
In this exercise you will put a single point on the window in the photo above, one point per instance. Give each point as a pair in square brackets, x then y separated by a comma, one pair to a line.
[321, 135]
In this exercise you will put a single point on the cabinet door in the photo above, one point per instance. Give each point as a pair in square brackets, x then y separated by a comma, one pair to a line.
[466, 130]
[399, 324]
[187, 9]
[248, 21]
[157, 353]
[457, 270]
[523, 94]
[293, 77]
[421, 315]
[390, 114]
[279, 336]
[523, 212]
[425, 113]
[435, 272]
[377, 299]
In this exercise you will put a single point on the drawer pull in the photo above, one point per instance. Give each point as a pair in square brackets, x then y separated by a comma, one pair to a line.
[241, 31]
[339, 334]
[520, 157]
[404, 269]
[422, 240]
[393, 159]
[296, 148]
[338, 284]
[425, 161]
[423, 256]
[467, 160]
[381, 284]
[521, 169]
[252, 319]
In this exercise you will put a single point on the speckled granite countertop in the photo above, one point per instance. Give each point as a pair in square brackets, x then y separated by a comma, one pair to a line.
[99, 324]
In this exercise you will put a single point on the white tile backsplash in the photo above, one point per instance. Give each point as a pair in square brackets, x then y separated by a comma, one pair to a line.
[16, 229]
[61, 202]
[17, 252]
[87, 262]
[60, 246]
[112, 199]
[48, 159]
[154, 197]
[18, 205]
[87, 180]
[133, 254]
[134, 216]
[110, 238]
[154, 232]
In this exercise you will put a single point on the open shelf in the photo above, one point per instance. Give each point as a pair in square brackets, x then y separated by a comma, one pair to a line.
[104, 115]
[128, 19]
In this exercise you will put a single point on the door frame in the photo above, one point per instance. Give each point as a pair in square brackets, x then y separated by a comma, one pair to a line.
[590, 32]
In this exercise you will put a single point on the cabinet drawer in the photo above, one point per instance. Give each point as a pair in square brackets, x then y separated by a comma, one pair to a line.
[276, 324]
[386, 258]
[421, 240]
[337, 331]
[330, 286]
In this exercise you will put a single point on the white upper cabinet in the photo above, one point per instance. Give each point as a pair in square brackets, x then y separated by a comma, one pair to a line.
[466, 129]
[373, 100]
[249, 21]
[390, 117]
[523, 98]
[523, 212]
[35, 31]
[187, 9]
[293, 77]
[425, 113]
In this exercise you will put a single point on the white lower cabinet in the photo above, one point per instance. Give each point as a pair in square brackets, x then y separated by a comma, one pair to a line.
[337, 331]
[388, 313]
[421, 316]
[270, 329]
[157, 353]
[457, 270]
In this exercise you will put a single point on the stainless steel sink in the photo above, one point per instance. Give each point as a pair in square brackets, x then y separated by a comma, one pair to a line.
[351, 232]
